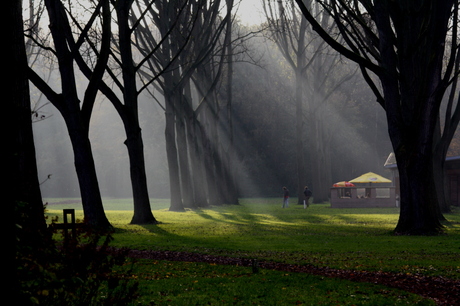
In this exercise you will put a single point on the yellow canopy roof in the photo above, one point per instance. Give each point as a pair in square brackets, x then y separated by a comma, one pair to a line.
[370, 177]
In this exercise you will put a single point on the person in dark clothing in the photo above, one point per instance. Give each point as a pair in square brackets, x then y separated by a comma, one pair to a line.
[307, 193]
[285, 197]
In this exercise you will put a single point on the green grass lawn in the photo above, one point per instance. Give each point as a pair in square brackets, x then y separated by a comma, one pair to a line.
[190, 283]
[358, 239]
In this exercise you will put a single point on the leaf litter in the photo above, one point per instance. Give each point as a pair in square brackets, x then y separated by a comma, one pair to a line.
[443, 291]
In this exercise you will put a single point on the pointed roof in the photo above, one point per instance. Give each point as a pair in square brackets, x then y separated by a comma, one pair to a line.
[370, 177]
[391, 161]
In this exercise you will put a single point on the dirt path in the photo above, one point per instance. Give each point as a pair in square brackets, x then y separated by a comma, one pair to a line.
[442, 290]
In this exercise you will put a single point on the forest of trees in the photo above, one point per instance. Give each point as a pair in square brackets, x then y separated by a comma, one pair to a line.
[259, 69]
[181, 100]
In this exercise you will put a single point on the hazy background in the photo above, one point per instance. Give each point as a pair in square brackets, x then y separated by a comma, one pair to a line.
[264, 124]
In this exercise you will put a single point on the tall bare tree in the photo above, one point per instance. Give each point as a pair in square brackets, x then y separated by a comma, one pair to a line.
[21, 149]
[318, 74]
[127, 105]
[289, 30]
[447, 125]
[189, 32]
[129, 112]
[169, 67]
[230, 152]
[75, 113]
[23, 206]
[402, 45]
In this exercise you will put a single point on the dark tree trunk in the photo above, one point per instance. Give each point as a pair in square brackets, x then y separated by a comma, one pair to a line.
[86, 173]
[320, 163]
[22, 203]
[184, 165]
[211, 182]
[300, 131]
[442, 141]
[230, 155]
[215, 145]
[21, 149]
[171, 154]
[197, 163]
[412, 103]
[195, 151]
[142, 211]
[440, 182]
[69, 106]
[419, 214]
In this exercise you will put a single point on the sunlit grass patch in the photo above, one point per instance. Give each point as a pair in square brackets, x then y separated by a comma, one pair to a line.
[359, 239]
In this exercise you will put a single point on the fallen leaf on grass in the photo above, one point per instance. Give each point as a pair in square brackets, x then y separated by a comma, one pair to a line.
[442, 290]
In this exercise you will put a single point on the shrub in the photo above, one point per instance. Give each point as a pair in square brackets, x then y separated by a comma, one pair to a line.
[74, 271]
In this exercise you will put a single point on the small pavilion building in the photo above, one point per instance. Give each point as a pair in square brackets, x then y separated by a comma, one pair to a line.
[367, 190]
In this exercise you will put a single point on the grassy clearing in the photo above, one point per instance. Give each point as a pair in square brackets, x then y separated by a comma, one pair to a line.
[358, 239]
[259, 228]
[187, 283]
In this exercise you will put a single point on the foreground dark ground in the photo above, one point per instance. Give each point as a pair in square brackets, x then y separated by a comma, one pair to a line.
[349, 244]
[442, 290]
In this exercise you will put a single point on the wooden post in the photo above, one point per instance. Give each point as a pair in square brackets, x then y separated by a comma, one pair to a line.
[70, 212]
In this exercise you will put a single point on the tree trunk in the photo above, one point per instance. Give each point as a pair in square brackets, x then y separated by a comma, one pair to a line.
[184, 165]
[413, 91]
[300, 132]
[20, 168]
[230, 154]
[69, 106]
[321, 159]
[20, 147]
[86, 173]
[196, 153]
[211, 183]
[442, 141]
[171, 154]
[440, 184]
[197, 163]
[413, 147]
[418, 213]
[215, 147]
[142, 211]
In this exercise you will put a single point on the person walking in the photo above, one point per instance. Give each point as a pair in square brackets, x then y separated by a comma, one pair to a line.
[307, 193]
[285, 197]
